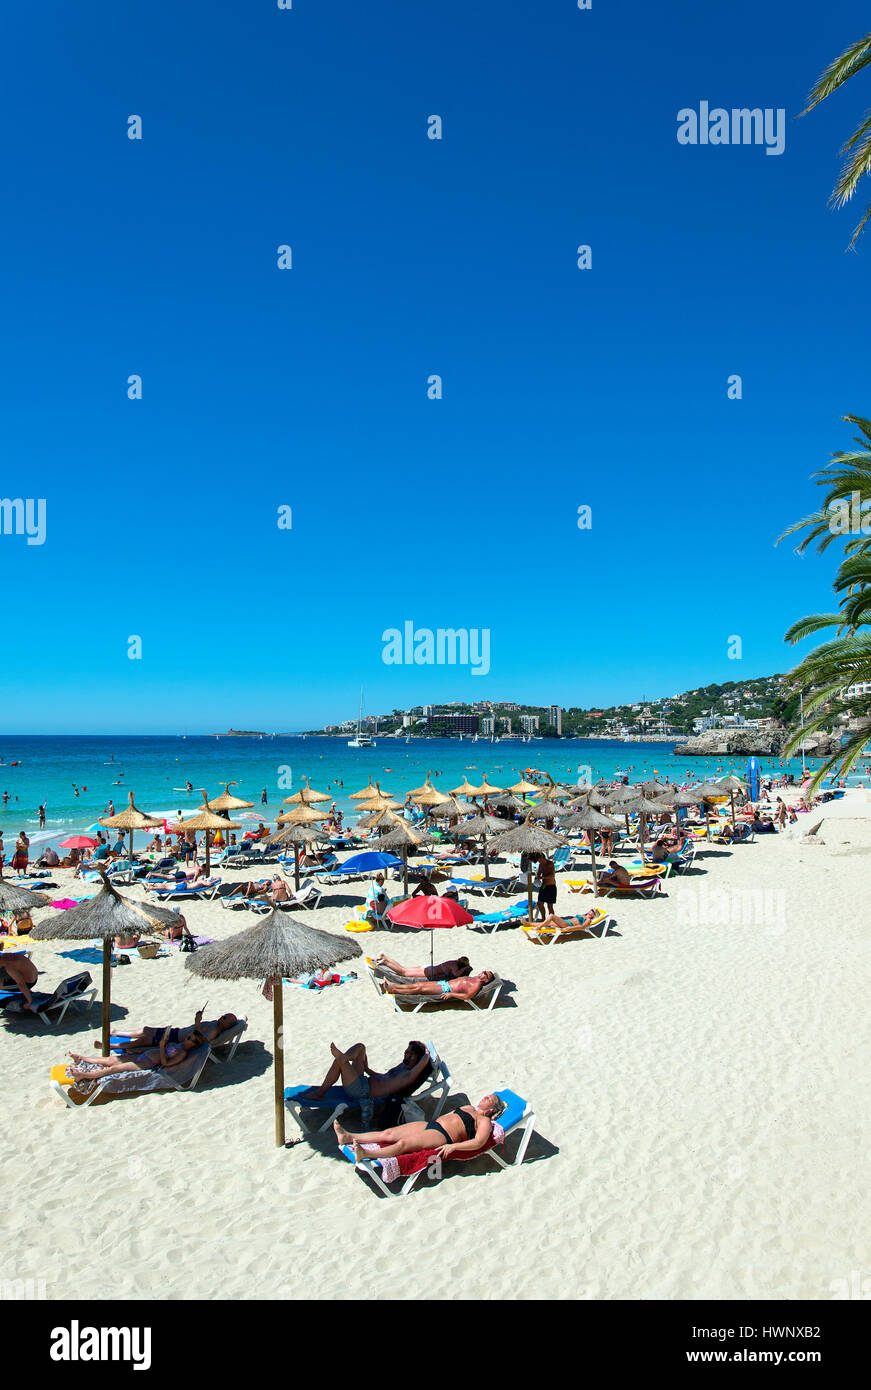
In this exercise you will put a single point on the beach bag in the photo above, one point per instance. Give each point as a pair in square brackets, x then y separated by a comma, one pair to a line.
[187, 944]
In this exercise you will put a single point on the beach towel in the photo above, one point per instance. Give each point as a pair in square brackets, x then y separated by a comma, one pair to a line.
[406, 1164]
[63, 904]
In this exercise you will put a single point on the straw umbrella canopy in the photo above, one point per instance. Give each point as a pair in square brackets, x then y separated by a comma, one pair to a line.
[274, 947]
[399, 835]
[705, 792]
[106, 916]
[301, 815]
[513, 803]
[379, 801]
[651, 788]
[419, 791]
[427, 795]
[132, 819]
[522, 787]
[677, 797]
[644, 805]
[228, 802]
[548, 810]
[732, 785]
[481, 825]
[529, 839]
[487, 789]
[306, 795]
[464, 789]
[207, 820]
[16, 900]
[592, 820]
[365, 793]
[296, 835]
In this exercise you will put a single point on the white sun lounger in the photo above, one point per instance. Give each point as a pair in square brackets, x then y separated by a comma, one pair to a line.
[335, 1102]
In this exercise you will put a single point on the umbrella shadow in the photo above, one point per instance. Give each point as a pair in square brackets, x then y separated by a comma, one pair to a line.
[252, 1058]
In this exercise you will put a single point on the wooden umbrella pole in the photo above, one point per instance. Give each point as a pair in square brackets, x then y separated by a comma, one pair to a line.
[296, 866]
[593, 858]
[529, 892]
[208, 861]
[107, 990]
[405, 869]
[486, 864]
[278, 1058]
[732, 804]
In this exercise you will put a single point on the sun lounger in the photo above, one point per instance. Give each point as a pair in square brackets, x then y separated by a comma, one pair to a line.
[336, 1101]
[205, 889]
[74, 991]
[484, 1000]
[518, 1116]
[641, 887]
[505, 917]
[547, 936]
[79, 1094]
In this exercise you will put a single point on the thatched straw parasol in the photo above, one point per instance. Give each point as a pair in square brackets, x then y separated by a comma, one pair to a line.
[296, 835]
[522, 787]
[416, 791]
[704, 793]
[512, 803]
[367, 792]
[732, 785]
[677, 797]
[427, 795]
[548, 810]
[227, 802]
[529, 839]
[464, 789]
[106, 915]
[301, 815]
[14, 899]
[132, 819]
[486, 789]
[651, 788]
[399, 835]
[592, 820]
[481, 825]
[206, 821]
[306, 796]
[379, 801]
[272, 948]
[645, 806]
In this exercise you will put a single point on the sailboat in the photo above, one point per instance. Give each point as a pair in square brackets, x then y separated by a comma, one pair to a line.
[362, 740]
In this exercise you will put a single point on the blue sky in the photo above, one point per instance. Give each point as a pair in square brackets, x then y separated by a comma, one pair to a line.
[411, 257]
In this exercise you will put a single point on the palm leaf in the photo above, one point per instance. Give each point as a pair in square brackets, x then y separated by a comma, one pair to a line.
[852, 60]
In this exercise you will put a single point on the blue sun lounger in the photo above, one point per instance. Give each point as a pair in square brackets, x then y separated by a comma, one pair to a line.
[489, 921]
[517, 1115]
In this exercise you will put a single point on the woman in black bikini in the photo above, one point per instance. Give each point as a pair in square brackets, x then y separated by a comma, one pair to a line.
[475, 1122]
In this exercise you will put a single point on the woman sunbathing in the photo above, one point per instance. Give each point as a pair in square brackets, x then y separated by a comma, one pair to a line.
[458, 1131]
[136, 1040]
[167, 1055]
[352, 1070]
[579, 923]
[447, 970]
[461, 989]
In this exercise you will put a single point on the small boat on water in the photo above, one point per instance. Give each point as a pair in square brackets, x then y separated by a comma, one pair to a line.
[362, 740]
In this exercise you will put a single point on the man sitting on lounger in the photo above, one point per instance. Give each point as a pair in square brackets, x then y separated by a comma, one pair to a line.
[460, 989]
[136, 1040]
[448, 970]
[616, 877]
[363, 1085]
[165, 1056]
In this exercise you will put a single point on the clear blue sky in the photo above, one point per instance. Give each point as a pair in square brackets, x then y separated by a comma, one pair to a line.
[411, 256]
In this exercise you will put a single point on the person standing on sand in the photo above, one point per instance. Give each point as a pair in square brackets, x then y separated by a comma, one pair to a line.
[22, 853]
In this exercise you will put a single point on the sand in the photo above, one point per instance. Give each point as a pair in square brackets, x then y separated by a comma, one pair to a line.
[699, 1078]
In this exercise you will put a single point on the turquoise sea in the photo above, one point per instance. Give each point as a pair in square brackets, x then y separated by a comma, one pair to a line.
[48, 768]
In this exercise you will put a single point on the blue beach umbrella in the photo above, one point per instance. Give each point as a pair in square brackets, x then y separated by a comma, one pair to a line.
[369, 860]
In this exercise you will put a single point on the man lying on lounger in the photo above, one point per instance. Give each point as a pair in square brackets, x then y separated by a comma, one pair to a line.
[461, 989]
[351, 1070]
[616, 877]
[447, 970]
[140, 1038]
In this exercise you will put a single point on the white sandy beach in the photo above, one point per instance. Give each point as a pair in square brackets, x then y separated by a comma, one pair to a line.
[701, 1088]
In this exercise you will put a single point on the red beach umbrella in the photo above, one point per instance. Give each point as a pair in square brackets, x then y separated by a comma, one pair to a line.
[78, 842]
[428, 913]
